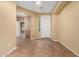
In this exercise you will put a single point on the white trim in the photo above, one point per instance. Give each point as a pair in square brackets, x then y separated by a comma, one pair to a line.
[69, 48]
[9, 52]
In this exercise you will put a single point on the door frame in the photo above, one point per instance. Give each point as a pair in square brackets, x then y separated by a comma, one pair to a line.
[50, 27]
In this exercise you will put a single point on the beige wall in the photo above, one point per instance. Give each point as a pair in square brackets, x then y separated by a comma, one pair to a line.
[7, 27]
[27, 23]
[54, 27]
[34, 28]
[68, 27]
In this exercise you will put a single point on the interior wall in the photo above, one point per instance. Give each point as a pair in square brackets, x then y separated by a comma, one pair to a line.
[7, 26]
[55, 27]
[28, 22]
[69, 27]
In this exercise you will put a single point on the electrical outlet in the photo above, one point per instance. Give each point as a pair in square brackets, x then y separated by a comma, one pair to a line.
[9, 44]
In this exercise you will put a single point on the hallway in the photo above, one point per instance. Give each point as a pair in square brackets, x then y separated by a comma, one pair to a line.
[33, 23]
[40, 48]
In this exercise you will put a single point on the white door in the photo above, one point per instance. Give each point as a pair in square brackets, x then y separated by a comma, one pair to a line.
[17, 29]
[45, 25]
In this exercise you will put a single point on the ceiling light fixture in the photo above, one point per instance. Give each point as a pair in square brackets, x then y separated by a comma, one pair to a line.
[38, 2]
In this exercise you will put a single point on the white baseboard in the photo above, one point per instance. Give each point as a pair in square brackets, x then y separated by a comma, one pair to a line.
[55, 40]
[69, 48]
[9, 52]
[41, 38]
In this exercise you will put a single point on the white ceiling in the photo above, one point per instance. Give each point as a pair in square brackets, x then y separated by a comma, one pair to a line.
[46, 6]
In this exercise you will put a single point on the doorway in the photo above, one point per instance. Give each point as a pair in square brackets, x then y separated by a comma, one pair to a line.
[23, 29]
[45, 26]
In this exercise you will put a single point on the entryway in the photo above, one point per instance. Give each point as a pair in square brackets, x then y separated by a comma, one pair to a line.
[23, 29]
[45, 26]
